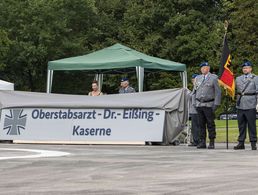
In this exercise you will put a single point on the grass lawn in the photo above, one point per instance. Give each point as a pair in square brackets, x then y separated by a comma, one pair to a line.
[232, 131]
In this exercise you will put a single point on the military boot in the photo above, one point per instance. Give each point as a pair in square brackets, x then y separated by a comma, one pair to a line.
[202, 144]
[211, 144]
[253, 146]
[239, 146]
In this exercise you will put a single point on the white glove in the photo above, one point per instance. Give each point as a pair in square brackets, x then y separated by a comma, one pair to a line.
[257, 107]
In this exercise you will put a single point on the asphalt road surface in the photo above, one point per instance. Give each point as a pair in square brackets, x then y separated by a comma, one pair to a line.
[94, 169]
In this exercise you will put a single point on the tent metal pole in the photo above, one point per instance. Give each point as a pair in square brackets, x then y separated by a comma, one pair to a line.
[100, 81]
[184, 78]
[99, 78]
[51, 80]
[141, 78]
[185, 75]
[48, 81]
[137, 76]
[99, 75]
[137, 72]
[96, 77]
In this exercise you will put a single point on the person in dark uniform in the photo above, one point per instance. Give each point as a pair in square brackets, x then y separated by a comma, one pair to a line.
[195, 127]
[207, 98]
[247, 95]
[125, 88]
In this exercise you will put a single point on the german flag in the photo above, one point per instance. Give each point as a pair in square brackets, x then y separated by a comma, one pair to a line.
[226, 76]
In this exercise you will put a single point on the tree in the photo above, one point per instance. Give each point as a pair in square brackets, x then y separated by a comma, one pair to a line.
[33, 32]
[4, 48]
[41, 31]
[244, 26]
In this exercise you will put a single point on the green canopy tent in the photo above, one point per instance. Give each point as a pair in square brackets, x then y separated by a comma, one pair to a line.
[115, 58]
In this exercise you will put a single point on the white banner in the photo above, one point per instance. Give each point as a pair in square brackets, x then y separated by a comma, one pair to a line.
[49, 124]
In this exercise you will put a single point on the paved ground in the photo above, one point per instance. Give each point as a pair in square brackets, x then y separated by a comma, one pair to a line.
[128, 170]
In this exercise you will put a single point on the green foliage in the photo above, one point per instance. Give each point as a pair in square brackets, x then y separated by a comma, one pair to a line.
[4, 48]
[41, 31]
[33, 32]
[244, 31]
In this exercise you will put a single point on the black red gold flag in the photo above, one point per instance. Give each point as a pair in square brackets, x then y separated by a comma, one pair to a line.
[226, 76]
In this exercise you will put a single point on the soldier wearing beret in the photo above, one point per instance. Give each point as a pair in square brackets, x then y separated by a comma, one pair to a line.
[207, 98]
[247, 90]
[125, 88]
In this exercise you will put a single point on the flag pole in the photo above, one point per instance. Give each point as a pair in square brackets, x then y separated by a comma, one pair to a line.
[227, 119]
[226, 29]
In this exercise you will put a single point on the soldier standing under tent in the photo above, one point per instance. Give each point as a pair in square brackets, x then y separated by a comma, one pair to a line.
[247, 105]
[207, 98]
[195, 127]
[125, 88]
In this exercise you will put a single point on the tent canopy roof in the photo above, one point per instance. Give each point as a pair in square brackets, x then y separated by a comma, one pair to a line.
[115, 57]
